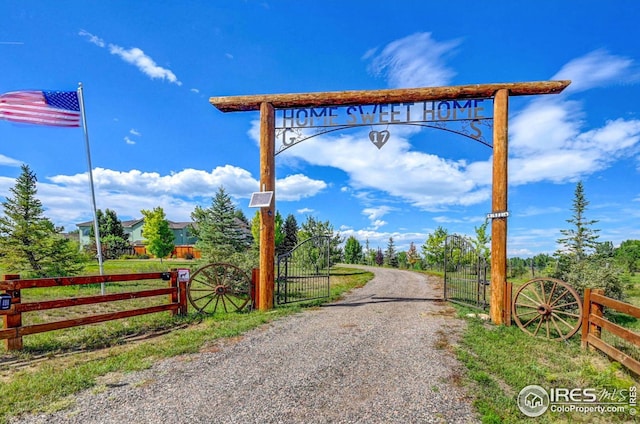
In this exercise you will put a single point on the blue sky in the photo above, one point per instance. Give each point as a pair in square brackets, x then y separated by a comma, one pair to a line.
[149, 69]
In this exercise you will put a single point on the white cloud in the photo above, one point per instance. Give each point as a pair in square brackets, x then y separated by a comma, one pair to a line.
[7, 161]
[92, 38]
[128, 140]
[305, 211]
[67, 201]
[424, 180]
[296, 187]
[414, 61]
[377, 212]
[136, 57]
[378, 223]
[135, 132]
[597, 69]
[144, 63]
[195, 90]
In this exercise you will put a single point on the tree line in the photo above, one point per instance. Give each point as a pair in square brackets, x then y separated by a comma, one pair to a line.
[581, 260]
[32, 245]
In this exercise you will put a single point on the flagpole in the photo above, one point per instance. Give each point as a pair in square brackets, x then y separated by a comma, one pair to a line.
[96, 227]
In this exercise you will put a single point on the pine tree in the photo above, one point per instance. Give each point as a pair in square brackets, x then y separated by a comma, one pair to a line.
[158, 236]
[580, 240]
[30, 242]
[577, 263]
[219, 231]
[391, 257]
[113, 238]
[290, 233]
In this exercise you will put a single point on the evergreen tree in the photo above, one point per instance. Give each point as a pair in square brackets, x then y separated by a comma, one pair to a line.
[30, 242]
[352, 251]
[390, 255]
[158, 236]
[580, 240]
[113, 238]
[219, 231]
[577, 263]
[290, 233]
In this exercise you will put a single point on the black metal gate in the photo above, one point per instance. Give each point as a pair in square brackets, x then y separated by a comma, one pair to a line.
[303, 272]
[465, 273]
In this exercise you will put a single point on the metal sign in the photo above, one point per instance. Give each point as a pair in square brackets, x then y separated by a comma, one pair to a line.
[468, 117]
[494, 215]
[183, 275]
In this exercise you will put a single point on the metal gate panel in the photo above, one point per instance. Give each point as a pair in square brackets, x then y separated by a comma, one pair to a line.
[303, 272]
[465, 273]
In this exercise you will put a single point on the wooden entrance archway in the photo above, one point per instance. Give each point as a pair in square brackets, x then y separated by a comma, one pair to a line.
[267, 105]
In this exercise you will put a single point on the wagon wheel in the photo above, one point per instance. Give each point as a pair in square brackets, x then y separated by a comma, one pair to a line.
[547, 307]
[219, 286]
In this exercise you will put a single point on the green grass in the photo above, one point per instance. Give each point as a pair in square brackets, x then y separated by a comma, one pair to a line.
[47, 385]
[503, 360]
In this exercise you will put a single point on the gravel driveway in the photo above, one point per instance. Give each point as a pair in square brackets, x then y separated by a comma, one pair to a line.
[381, 355]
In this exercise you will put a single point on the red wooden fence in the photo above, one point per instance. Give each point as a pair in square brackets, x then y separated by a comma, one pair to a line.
[13, 330]
[593, 322]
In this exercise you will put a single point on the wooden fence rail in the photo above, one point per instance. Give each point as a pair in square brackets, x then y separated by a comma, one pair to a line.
[13, 330]
[593, 322]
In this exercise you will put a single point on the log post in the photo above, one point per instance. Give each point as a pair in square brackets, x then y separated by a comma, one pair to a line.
[14, 318]
[266, 281]
[597, 310]
[499, 204]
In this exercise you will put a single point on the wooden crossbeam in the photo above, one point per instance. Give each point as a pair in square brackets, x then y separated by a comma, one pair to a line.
[402, 95]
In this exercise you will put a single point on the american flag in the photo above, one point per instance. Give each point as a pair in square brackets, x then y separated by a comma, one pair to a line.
[56, 108]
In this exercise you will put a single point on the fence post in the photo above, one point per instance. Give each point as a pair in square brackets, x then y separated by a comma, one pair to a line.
[596, 309]
[586, 310]
[255, 278]
[173, 283]
[182, 295]
[14, 318]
